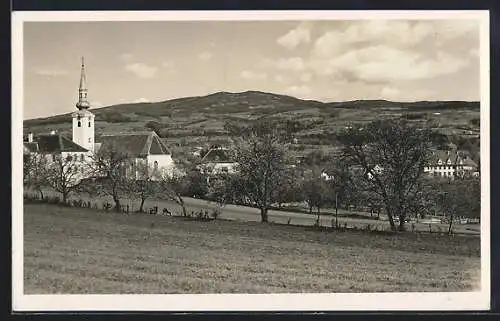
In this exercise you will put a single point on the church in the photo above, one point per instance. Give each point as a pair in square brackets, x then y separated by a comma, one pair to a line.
[144, 148]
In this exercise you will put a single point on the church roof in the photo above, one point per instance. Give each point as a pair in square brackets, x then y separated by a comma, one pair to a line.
[217, 155]
[53, 144]
[136, 144]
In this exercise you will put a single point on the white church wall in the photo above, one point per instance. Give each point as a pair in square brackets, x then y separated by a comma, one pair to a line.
[83, 129]
[165, 163]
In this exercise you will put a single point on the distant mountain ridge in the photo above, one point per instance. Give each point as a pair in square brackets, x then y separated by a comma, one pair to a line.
[255, 102]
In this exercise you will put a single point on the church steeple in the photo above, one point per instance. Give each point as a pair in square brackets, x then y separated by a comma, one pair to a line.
[83, 119]
[82, 90]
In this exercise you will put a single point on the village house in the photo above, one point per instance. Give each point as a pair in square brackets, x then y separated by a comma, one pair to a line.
[56, 148]
[217, 161]
[451, 163]
[144, 148]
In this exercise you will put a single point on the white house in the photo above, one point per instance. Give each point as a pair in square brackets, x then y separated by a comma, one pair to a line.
[451, 163]
[217, 161]
[56, 147]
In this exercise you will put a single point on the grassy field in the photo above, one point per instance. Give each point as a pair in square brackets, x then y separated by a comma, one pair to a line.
[69, 250]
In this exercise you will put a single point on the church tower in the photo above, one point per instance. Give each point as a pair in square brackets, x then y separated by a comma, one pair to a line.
[83, 119]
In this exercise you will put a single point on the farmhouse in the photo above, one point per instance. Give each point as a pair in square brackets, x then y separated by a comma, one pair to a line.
[217, 161]
[145, 148]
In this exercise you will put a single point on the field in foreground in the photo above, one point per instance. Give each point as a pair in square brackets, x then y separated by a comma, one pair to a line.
[80, 251]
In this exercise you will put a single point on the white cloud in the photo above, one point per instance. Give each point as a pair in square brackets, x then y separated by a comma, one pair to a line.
[206, 55]
[51, 71]
[299, 91]
[306, 77]
[293, 38]
[142, 70]
[126, 57]
[390, 93]
[280, 78]
[404, 94]
[384, 50]
[141, 100]
[169, 67]
[253, 75]
[293, 64]
[96, 104]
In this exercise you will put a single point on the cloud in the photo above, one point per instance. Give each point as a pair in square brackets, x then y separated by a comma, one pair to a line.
[391, 50]
[96, 104]
[390, 93]
[253, 75]
[280, 78]
[141, 100]
[404, 94]
[293, 64]
[306, 77]
[206, 55]
[51, 71]
[126, 56]
[142, 70]
[299, 91]
[169, 67]
[299, 35]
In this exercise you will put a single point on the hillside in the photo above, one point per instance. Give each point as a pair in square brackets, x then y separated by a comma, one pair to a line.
[199, 120]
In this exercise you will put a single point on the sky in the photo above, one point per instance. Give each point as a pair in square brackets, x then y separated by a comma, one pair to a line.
[397, 60]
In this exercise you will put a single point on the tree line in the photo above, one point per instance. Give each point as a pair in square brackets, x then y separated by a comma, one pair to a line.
[379, 166]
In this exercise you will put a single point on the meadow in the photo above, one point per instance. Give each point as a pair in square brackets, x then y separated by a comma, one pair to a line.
[86, 251]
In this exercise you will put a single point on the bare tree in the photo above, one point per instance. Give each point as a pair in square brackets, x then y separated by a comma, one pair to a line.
[111, 167]
[261, 156]
[173, 187]
[35, 172]
[145, 186]
[315, 190]
[391, 155]
[459, 197]
[64, 174]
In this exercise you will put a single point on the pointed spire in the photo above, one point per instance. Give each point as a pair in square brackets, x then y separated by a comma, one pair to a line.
[82, 90]
[82, 76]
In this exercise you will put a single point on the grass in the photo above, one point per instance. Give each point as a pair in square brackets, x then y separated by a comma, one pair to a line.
[80, 251]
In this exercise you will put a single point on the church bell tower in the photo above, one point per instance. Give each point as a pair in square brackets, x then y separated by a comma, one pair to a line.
[83, 119]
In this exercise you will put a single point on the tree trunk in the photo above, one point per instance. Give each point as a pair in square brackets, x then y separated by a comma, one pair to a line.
[141, 208]
[336, 210]
[450, 227]
[41, 193]
[391, 219]
[402, 224]
[64, 197]
[183, 206]
[263, 215]
[117, 204]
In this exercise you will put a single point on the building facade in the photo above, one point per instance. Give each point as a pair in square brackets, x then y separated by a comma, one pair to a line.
[450, 164]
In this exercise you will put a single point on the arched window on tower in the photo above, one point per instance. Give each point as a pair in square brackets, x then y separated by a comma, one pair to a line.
[79, 124]
[89, 124]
